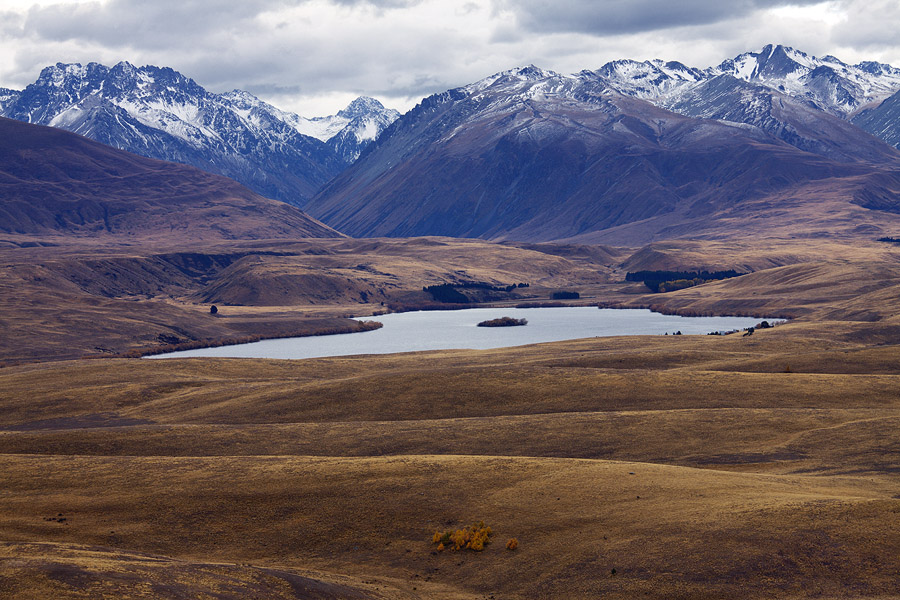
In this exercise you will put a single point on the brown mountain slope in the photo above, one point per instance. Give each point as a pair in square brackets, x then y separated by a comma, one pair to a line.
[532, 156]
[55, 182]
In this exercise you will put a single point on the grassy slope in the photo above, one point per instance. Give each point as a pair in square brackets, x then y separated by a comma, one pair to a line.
[703, 466]
[687, 464]
[75, 301]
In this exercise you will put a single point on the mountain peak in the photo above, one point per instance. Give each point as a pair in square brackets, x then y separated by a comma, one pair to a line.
[361, 106]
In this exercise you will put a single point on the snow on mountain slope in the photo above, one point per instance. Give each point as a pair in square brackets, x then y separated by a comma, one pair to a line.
[160, 113]
[832, 85]
[882, 121]
[7, 96]
[649, 79]
[827, 83]
[789, 119]
[351, 129]
[528, 154]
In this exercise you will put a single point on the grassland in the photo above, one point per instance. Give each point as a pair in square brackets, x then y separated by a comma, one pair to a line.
[654, 467]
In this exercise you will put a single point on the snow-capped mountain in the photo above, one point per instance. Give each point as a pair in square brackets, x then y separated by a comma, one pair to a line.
[827, 82]
[160, 113]
[789, 119]
[351, 129]
[6, 97]
[779, 89]
[528, 154]
[649, 79]
[882, 121]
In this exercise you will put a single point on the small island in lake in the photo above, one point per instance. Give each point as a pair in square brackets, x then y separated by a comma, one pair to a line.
[503, 322]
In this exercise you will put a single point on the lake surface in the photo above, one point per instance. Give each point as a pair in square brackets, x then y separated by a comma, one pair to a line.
[449, 329]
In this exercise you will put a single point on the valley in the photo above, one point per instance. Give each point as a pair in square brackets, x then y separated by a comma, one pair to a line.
[662, 466]
[753, 465]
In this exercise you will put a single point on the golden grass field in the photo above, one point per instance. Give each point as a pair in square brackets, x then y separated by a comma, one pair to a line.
[667, 467]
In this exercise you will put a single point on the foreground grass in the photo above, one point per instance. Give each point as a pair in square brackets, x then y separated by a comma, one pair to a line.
[685, 466]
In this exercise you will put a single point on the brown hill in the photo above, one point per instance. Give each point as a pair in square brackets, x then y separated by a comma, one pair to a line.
[653, 467]
[53, 182]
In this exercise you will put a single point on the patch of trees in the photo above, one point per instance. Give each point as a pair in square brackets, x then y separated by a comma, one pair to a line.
[446, 293]
[890, 240]
[449, 292]
[503, 322]
[563, 295]
[669, 281]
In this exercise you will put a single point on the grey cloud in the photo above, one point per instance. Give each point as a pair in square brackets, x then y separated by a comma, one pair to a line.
[11, 24]
[611, 17]
[869, 24]
[162, 23]
[134, 23]
[379, 3]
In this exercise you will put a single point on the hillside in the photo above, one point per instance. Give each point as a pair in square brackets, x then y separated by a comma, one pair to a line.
[659, 467]
[53, 182]
[530, 155]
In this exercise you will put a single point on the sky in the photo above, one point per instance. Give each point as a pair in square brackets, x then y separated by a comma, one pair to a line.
[313, 57]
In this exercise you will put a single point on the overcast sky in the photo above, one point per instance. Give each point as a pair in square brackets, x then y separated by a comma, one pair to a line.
[314, 56]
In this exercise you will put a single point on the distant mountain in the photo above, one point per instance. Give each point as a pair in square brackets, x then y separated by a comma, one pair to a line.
[532, 155]
[789, 119]
[53, 182]
[352, 129]
[647, 80]
[826, 83]
[830, 84]
[7, 96]
[159, 113]
[882, 121]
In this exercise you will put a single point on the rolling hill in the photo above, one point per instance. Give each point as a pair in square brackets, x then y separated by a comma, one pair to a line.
[53, 182]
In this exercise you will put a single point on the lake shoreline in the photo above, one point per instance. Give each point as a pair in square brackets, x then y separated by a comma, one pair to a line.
[457, 329]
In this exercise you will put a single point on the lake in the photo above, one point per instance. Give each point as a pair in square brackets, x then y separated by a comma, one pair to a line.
[449, 329]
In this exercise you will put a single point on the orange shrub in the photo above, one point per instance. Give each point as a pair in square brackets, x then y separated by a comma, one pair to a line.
[475, 537]
[512, 544]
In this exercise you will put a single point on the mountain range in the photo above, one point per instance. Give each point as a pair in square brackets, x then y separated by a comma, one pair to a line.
[534, 155]
[160, 113]
[776, 142]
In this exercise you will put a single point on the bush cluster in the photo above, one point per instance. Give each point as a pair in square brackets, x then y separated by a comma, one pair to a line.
[474, 537]
[449, 292]
[503, 322]
[669, 281]
[565, 295]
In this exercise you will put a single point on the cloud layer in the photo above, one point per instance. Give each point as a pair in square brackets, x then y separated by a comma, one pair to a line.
[314, 56]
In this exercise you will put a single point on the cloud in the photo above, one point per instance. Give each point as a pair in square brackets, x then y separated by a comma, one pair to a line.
[869, 24]
[616, 17]
[313, 56]
[148, 25]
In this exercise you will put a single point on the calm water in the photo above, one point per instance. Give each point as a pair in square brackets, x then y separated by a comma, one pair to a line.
[442, 330]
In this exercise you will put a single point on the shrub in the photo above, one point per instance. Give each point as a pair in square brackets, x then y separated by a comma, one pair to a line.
[474, 537]
[512, 544]
[669, 281]
[564, 295]
[503, 322]
[446, 293]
